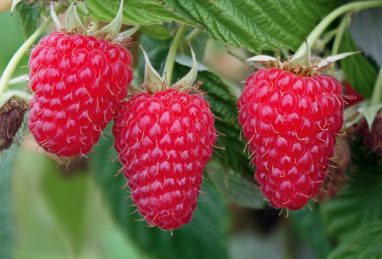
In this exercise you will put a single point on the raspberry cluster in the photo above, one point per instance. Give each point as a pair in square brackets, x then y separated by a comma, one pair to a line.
[164, 141]
[78, 82]
[290, 116]
[290, 123]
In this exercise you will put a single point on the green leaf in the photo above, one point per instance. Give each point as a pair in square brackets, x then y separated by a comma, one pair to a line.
[255, 24]
[30, 14]
[204, 237]
[358, 71]
[357, 204]
[135, 12]
[306, 222]
[57, 189]
[6, 222]
[235, 187]
[363, 243]
[252, 24]
[156, 31]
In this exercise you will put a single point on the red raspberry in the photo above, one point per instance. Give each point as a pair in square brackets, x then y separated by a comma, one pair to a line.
[164, 141]
[77, 82]
[350, 95]
[290, 122]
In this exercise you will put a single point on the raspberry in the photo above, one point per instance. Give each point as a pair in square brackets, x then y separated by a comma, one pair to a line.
[164, 141]
[78, 82]
[11, 118]
[290, 122]
[350, 95]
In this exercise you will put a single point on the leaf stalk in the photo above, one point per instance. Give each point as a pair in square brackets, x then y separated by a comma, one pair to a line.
[323, 25]
[170, 61]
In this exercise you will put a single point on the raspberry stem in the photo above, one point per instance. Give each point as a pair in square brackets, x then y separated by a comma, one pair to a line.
[193, 34]
[169, 67]
[376, 98]
[322, 26]
[340, 33]
[9, 70]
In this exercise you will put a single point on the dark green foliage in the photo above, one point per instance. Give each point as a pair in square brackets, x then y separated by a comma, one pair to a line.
[358, 71]
[30, 15]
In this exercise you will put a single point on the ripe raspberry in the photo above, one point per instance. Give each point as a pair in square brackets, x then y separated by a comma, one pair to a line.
[11, 118]
[78, 82]
[350, 95]
[164, 141]
[290, 122]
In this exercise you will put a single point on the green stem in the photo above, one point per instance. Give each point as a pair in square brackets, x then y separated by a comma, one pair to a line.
[321, 27]
[193, 34]
[327, 37]
[169, 67]
[8, 72]
[376, 98]
[340, 33]
[285, 53]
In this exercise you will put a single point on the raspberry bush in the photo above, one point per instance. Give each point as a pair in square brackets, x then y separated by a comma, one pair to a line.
[190, 129]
